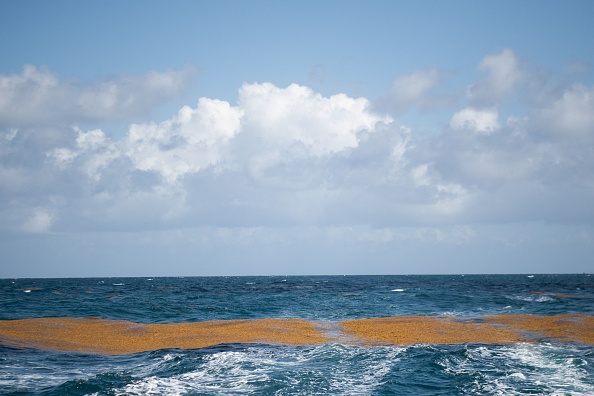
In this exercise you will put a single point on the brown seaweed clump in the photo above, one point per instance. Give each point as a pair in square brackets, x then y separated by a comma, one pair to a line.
[564, 328]
[407, 330]
[113, 337]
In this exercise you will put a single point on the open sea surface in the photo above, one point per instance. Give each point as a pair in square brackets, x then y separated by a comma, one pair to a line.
[546, 368]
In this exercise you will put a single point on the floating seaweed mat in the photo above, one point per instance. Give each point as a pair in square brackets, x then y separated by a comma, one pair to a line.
[500, 329]
[122, 337]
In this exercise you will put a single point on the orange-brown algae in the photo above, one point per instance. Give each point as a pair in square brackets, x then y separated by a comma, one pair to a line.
[113, 337]
[574, 327]
[409, 330]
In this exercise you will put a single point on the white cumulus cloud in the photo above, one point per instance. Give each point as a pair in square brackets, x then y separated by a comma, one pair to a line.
[191, 141]
[289, 156]
[283, 117]
[478, 120]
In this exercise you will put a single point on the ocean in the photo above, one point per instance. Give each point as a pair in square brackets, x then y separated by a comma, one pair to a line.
[344, 365]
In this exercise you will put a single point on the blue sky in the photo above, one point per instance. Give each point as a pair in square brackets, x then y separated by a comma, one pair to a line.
[263, 137]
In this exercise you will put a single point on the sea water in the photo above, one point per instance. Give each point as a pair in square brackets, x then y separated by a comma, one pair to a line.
[547, 368]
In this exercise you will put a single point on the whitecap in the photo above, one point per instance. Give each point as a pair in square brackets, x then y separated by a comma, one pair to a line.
[533, 298]
[397, 290]
[458, 314]
[350, 370]
[511, 370]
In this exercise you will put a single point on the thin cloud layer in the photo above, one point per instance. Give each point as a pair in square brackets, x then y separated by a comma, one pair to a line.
[38, 97]
[501, 73]
[418, 90]
[290, 157]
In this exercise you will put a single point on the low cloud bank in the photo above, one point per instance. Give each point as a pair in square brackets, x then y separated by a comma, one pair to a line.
[288, 156]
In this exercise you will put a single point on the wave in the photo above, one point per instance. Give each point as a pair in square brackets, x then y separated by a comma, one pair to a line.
[522, 369]
[322, 369]
[329, 369]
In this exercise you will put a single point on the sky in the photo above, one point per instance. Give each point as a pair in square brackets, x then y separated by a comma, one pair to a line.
[199, 138]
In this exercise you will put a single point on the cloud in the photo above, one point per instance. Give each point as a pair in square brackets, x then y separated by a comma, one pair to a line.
[191, 141]
[569, 115]
[502, 72]
[417, 90]
[261, 161]
[38, 97]
[40, 221]
[270, 126]
[296, 116]
[484, 121]
[93, 150]
[290, 157]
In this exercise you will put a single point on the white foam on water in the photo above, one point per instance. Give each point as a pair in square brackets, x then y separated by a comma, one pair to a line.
[459, 314]
[552, 369]
[544, 298]
[367, 369]
[322, 369]
[533, 298]
[228, 371]
[21, 381]
[398, 290]
[155, 386]
[220, 373]
[169, 357]
[524, 369]
[30, 376]
[556, 370]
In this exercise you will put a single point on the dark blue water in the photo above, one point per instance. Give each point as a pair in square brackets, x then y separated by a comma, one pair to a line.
[238, 369]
